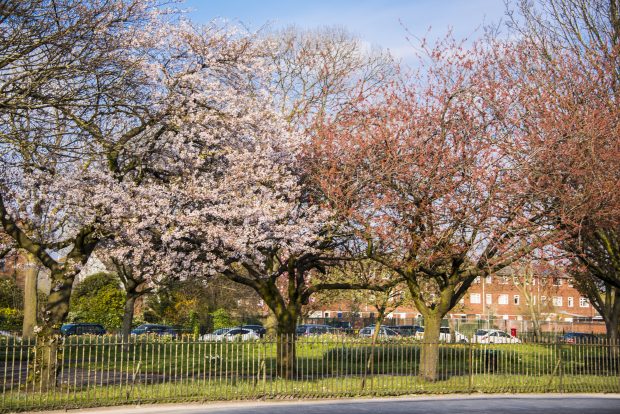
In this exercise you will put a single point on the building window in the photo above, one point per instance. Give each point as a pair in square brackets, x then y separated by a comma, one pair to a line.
[489, 298]
[557, 281]
[477, 280]
[474, 298]
[502, 299]
[570, 282]
[569, 301]
[516, 299]
[557, 301]
[503, 280]
[326, 314]
[543, 300]
[583, 302]
[489, 280]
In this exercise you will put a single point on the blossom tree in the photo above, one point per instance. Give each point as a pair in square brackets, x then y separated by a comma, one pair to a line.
[423, 176]
[58, 59]
[564, 80]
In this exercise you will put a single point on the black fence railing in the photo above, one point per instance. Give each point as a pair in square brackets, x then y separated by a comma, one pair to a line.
[86, 371]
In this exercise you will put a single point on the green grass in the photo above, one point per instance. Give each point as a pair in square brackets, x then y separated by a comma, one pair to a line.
[280, 389]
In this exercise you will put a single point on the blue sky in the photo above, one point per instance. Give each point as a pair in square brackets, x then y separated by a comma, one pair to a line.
[378, 22]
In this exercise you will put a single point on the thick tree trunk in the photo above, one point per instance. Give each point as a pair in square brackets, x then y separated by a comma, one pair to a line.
[31, 273]
[285, 359]
[429, 354]
[57, 306]
[612, 320]
[612, 326]
[56, 310]
[130, 301]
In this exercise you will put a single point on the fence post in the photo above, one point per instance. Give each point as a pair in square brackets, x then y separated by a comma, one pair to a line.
[471, 366]
[560, 362]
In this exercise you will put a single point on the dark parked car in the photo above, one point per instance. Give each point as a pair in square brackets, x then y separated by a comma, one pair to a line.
[344, 326]
[579, 338]
[82, 329]
[154, 329]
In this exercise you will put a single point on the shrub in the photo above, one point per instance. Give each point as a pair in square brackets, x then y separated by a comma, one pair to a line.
[98, 299]
[222, 319]
[11, 319]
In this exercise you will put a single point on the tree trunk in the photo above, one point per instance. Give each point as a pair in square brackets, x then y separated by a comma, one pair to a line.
[452, 331]
[285, 359]
[612, 319]
[57, 306]
[130, 301]
[371, 358]
[56, 310]
[31, 272]
[429, 354]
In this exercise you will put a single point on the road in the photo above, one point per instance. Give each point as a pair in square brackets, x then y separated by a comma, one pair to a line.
[504, 404]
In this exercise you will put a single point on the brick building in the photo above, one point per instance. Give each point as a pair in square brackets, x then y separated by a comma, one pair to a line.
[510, 298]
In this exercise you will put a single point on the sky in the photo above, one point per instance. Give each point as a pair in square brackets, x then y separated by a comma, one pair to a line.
[382, 23]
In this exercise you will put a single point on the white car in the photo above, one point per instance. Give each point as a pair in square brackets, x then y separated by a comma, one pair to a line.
[231, 334]
[384, 332]
[494, 336]
[444, 335]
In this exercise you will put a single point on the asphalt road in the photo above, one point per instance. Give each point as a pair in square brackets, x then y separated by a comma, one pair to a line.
[503, 404]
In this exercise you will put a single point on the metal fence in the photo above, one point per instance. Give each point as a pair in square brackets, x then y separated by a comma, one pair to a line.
[95, 371]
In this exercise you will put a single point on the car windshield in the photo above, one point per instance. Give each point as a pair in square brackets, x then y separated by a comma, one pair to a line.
[481, 332]
[221, 331]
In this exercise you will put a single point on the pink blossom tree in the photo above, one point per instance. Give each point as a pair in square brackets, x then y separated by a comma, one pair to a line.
[424, 177]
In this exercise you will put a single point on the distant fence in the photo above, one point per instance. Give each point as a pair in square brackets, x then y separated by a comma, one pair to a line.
[96, 371]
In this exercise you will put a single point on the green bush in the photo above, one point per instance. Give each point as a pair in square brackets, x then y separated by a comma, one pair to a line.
[222, 319]
[11, 319]
[98, 299]
[11, 296]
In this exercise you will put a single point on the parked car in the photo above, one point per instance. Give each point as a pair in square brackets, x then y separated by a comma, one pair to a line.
[342, 326]
[311, 330]
[160, 330]
[579, 338]
[494, 336]
[384, 332]
[231, 334]
[444, 335]
[69, 329]
[259, 329]
[406, 330]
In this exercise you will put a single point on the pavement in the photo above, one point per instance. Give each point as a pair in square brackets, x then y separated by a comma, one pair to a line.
[452, 404]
